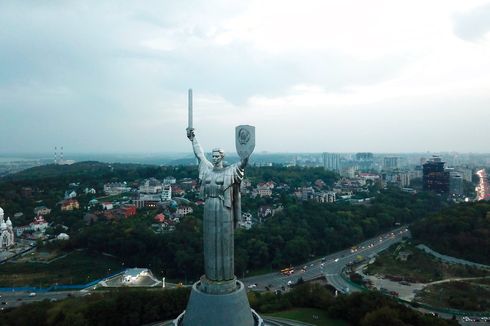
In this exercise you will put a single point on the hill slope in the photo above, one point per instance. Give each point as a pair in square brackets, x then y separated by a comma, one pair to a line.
[461, 231]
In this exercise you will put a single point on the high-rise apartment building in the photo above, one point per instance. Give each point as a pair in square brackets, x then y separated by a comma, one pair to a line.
[455, 183]
[331, 162]
[390, 163]
[365, 161]
[435, 178]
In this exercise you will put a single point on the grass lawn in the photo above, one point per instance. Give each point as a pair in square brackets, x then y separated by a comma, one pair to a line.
[78, 267]
[306, 315]
[457, 295]
[419, 267]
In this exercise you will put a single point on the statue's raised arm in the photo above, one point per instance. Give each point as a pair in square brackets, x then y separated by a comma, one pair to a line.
[198, 152]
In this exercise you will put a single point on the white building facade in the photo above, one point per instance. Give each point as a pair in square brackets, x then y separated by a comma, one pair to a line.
[6, 232]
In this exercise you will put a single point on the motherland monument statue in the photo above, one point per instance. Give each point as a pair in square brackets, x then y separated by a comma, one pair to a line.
[218, 298]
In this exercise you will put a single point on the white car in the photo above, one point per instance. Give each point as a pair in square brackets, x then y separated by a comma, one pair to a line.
[252, 286]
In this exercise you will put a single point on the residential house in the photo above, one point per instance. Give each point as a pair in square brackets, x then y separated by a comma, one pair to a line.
[246, 222]
[319, 183]
[63, 237]
[151, 186]
[69, 205]
[188, 184]
[116, 188]
[169, 180]
[39, 224]
[128, 210]
[107, 205]
[41, 210]
[177, 191]
[265, 211]
[325, 197]
[159, 218]
[265, 189]
[183, 210]
[69, 194]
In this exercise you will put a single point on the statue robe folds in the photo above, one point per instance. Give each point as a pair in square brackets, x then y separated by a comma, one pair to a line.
[220, 189]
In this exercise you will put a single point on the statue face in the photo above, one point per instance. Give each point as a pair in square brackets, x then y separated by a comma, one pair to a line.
[217, 158]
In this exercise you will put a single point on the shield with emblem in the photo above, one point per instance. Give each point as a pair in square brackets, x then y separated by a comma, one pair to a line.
[245, 140]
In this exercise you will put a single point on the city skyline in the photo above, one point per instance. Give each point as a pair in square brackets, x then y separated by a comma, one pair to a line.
[316, 77]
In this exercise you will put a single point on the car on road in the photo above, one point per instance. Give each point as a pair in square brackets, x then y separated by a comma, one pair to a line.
[287, 271]
[252, 286]
[32, 294]
[336, 260]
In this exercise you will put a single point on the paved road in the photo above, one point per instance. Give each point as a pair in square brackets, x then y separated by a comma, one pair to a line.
[449, 259]
[367, 249]
[330, 266]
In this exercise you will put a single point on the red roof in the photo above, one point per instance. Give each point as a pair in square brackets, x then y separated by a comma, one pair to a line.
[160, 218]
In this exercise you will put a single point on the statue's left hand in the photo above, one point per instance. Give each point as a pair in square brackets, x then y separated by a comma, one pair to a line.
[244, 162]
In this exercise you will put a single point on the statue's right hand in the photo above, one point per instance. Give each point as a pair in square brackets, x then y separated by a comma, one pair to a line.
[190, 134]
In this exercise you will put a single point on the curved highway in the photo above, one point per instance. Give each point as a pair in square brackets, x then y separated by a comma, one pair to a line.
[331, 266]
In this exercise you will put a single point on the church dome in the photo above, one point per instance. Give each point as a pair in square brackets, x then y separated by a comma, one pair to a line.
[3, 226]
[9, 222]
[1, 211]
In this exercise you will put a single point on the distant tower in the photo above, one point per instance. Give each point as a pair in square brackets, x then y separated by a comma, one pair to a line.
[61, 155]
[55, 155]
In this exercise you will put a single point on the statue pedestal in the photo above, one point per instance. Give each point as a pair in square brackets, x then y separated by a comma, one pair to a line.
[217, 287]
[231, 309]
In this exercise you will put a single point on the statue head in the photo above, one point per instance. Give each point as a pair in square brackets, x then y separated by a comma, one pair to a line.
[218, 155]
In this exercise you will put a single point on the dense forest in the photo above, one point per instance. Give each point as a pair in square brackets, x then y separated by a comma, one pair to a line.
[137, 307]
[461, 231]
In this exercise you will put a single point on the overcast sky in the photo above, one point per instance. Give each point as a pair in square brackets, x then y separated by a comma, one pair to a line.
[312, 76]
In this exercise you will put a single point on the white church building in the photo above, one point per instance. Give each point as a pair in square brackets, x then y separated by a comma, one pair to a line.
[6, 232]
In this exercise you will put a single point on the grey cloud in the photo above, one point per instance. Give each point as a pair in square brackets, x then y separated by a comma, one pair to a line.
[473, 25]
[91, 52]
